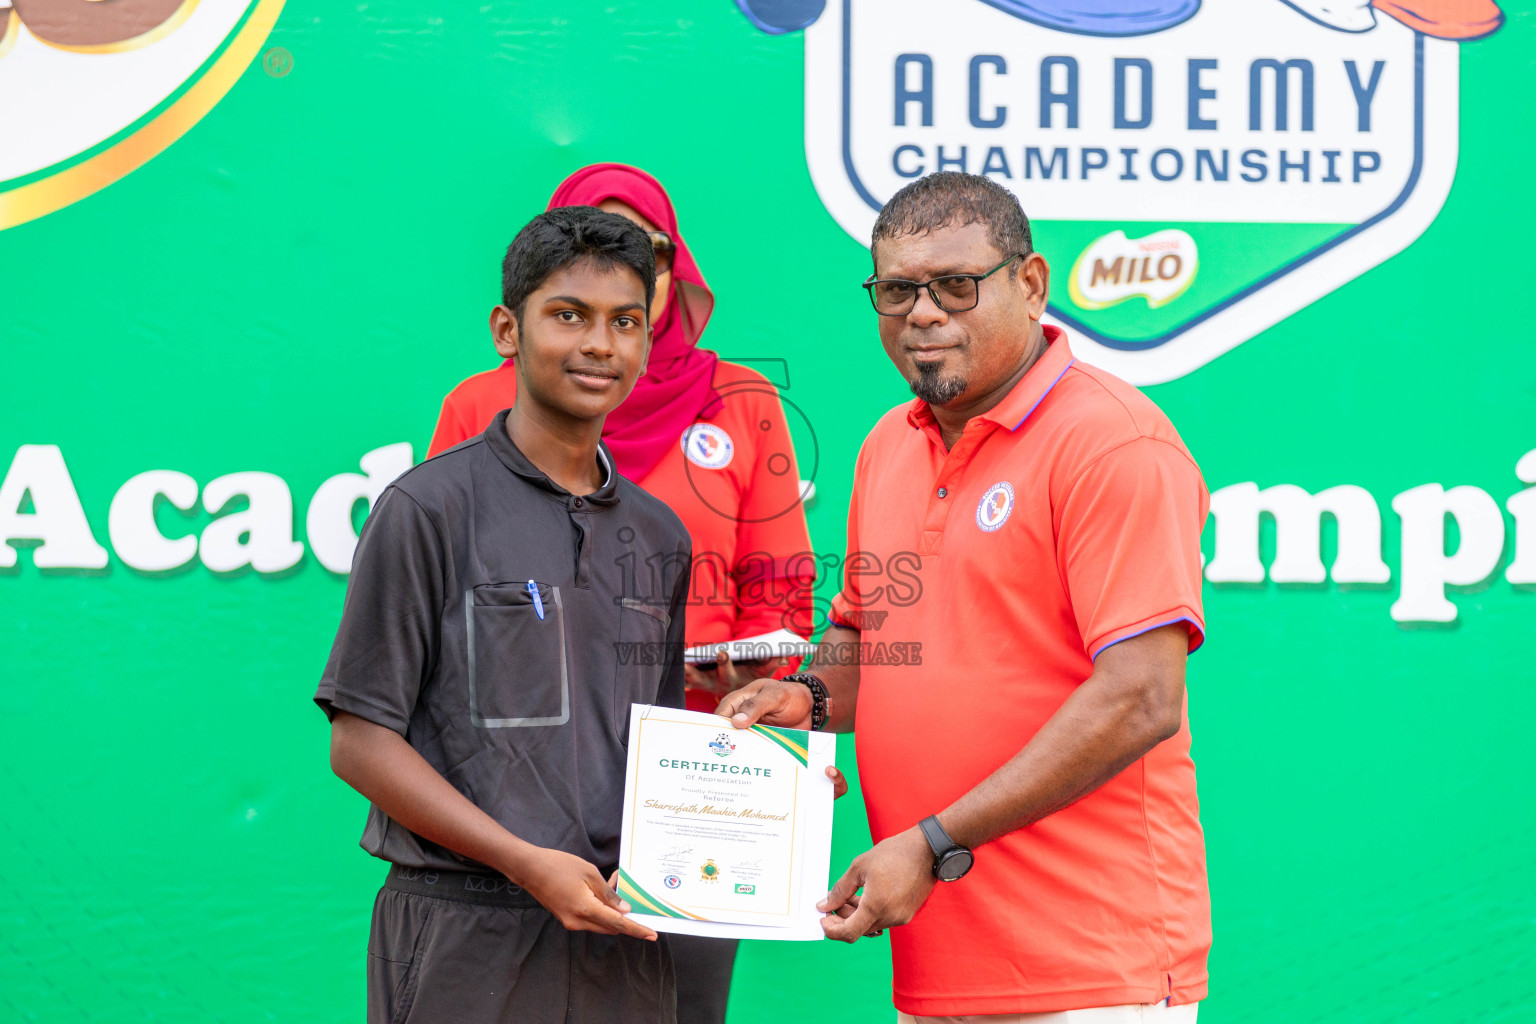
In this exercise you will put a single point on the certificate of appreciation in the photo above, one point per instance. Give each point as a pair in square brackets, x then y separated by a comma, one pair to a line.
[727, 832]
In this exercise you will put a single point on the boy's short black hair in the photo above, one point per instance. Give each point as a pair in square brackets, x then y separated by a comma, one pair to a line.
[565, 235]
[954, 199]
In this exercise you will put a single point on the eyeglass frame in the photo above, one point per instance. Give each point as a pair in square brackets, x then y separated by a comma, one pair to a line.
[871, 281]
[666, 244]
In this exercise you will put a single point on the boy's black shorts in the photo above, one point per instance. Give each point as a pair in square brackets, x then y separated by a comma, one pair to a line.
[476, 949]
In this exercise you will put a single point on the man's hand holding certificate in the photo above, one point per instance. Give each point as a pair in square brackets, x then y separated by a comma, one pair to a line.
[727, 832]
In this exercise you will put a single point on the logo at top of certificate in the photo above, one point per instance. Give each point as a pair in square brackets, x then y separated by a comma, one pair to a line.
[995, 506]
[1290, 146]
[707, 446]
[710, 872]
[722, 745]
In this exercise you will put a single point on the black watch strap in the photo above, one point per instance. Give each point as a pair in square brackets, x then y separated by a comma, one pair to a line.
[951, 861]
[938, 840]
[819, 701]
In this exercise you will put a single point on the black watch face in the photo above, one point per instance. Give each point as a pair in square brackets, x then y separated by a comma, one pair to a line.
[954, 864]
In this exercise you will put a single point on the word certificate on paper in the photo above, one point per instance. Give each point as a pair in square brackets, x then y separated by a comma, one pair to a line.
[727, 832]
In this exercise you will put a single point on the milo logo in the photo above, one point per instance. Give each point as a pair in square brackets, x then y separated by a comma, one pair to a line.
[1158, 268]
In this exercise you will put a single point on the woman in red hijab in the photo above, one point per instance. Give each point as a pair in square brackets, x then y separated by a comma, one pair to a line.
[709, 438]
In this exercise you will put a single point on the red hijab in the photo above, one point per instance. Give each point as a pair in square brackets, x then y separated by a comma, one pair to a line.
[677, 387]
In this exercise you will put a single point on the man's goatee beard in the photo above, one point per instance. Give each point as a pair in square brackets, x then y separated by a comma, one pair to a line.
[934, 389]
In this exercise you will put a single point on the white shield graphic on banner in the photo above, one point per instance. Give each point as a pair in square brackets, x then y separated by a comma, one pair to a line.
[1192, 180]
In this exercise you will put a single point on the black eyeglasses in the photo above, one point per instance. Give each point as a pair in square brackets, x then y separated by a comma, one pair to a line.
[664, 248]
[953, 293]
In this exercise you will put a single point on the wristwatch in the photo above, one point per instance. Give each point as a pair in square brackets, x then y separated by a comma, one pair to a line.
[950, 860]
[819, 701]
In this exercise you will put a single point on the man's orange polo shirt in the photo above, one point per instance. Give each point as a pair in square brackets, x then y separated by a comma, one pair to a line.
[1064, 520]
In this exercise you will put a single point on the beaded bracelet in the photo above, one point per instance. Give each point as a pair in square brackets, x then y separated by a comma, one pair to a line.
[819, 699]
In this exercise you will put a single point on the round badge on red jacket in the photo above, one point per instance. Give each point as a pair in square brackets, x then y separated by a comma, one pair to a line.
[707, 446]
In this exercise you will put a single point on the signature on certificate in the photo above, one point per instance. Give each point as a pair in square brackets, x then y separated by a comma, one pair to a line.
[676, 852]
[751, 865]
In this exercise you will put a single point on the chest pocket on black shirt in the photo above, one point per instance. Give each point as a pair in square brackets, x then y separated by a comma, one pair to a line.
[642, 657]
[518, 670]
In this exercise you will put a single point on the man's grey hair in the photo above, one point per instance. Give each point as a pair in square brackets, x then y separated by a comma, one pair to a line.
[953, 199]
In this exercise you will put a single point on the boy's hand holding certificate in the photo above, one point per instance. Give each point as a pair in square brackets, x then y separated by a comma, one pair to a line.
[727, 832]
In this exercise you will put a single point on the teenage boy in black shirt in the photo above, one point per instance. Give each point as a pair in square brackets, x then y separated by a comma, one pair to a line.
[476, 690]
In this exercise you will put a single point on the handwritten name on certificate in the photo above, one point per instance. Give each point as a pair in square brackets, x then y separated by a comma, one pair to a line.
[727, 832]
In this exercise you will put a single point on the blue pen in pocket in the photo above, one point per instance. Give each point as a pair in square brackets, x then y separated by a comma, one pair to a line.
[538, 602]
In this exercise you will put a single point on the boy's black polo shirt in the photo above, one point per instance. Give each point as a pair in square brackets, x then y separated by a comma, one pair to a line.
[441, 641]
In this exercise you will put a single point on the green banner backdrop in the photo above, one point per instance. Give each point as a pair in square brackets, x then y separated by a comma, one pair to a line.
[248, 246]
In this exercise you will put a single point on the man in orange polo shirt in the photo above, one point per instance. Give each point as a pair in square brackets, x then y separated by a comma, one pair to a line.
[1028, 780]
